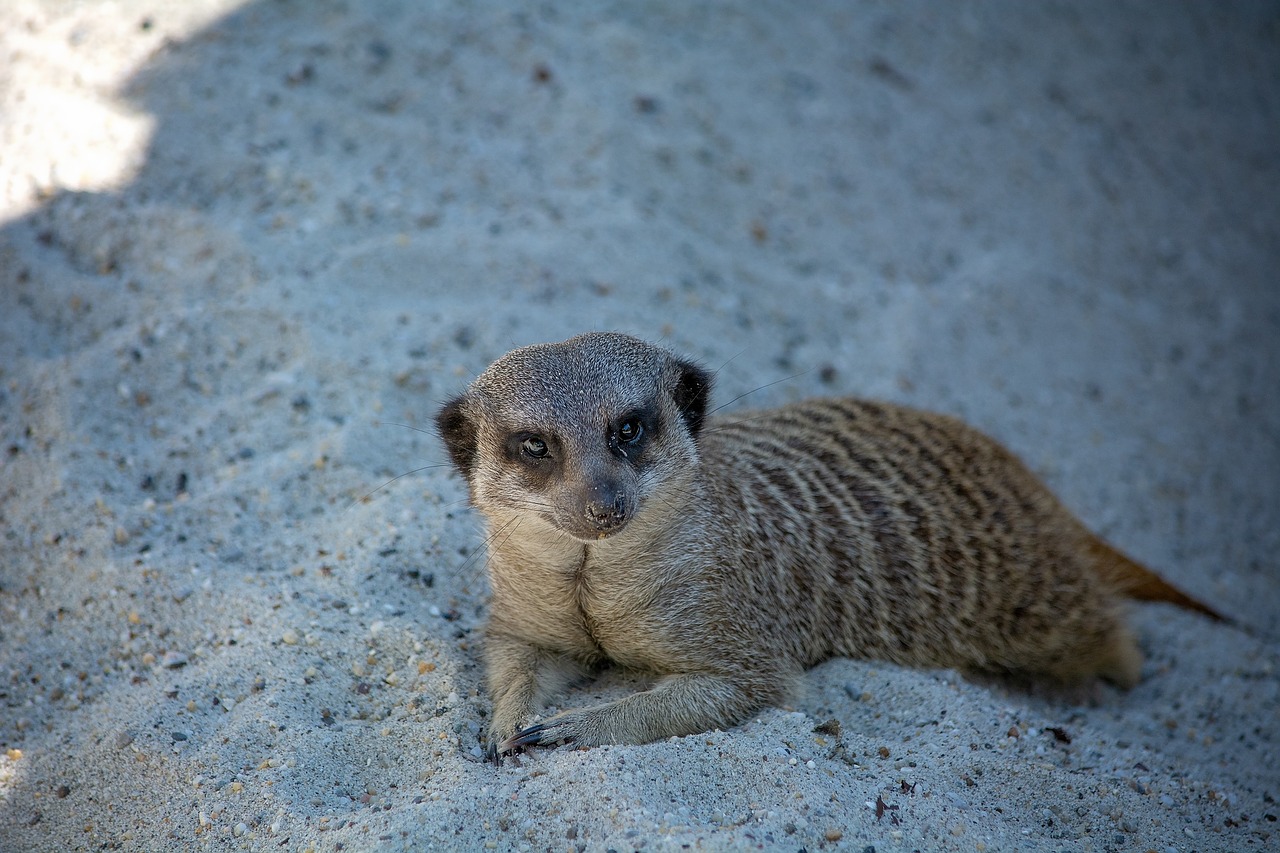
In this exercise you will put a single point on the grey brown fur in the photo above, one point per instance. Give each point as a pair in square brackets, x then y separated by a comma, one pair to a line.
[728, 555]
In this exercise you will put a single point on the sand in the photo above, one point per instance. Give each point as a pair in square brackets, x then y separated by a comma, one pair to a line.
[246, 249]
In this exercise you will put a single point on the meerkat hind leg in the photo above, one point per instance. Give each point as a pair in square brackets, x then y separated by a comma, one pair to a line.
[1121, 661]
[1117, 660]
[676, 705]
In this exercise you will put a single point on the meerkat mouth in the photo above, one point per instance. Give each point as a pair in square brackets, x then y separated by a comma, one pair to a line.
[601, 535]
[592, 535]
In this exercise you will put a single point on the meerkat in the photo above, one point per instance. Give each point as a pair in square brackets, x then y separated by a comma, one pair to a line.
[727, 554]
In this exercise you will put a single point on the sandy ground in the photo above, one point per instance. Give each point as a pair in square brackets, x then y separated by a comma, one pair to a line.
[246, 249]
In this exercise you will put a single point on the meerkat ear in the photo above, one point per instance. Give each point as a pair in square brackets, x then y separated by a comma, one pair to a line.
[459, 435]
[692, 392]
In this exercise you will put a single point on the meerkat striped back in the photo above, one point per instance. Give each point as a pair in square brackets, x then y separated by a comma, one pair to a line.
[904, 535]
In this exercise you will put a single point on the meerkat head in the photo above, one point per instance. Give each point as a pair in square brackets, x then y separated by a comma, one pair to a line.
[579, 434]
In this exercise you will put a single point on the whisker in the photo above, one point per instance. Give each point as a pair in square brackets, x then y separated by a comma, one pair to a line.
[430, 432]
[488, 540]
[760, 388]
[364, 498]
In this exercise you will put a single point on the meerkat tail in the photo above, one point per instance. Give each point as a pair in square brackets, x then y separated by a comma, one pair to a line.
[1137, 581]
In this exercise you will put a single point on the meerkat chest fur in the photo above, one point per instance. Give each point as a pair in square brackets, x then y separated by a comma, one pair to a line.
[595, 600]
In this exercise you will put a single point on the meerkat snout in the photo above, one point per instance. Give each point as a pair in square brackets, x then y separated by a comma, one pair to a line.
[592, 506]
[606, 507]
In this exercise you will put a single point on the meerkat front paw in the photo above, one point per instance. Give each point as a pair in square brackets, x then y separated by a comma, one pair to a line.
[677, 705]
[507, 724]
[496, 747]
[581, 728]
[521, 676]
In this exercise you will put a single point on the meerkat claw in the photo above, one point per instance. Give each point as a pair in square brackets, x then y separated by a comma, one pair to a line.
[495, 755]
[531, 736]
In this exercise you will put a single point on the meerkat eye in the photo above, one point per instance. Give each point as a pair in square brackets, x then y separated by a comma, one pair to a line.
[534, 447]
[630, 430]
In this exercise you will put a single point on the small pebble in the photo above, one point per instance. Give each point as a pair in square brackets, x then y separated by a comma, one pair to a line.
[289, 638]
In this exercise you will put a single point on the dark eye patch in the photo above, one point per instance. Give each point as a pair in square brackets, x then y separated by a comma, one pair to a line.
[529, 446]
[631, 433]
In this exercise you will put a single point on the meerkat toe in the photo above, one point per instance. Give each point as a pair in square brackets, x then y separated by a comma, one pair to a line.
[532, 736]
[586, 727]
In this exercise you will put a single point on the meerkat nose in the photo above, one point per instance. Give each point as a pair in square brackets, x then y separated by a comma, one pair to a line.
[606, 509]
